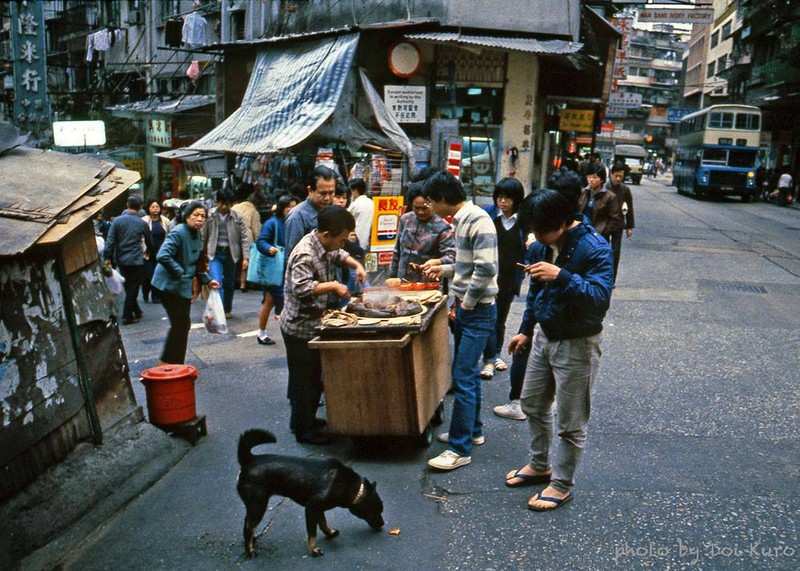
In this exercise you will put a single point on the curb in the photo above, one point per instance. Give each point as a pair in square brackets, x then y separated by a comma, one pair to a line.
[84, 492]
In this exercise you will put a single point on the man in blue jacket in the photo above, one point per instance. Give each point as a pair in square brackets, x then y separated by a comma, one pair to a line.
[571, 279]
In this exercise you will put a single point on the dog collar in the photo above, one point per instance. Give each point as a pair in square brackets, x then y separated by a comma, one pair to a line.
[362, 491]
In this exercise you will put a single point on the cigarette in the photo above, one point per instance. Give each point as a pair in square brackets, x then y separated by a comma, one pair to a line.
[522, 265]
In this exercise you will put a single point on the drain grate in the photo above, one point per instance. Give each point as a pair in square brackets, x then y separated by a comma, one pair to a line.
[739, 287]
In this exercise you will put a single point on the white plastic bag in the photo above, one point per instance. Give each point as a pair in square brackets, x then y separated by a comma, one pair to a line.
[115, 282]
[214, 315]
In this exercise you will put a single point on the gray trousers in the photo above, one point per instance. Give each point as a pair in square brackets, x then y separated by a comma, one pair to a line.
[563, 371]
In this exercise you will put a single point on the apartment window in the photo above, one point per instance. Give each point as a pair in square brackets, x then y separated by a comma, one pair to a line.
[711, 69]
[726, 30]
[722, 63]
[715, 39]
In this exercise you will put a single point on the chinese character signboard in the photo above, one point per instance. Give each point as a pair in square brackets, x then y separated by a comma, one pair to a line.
[405, 102]
[385, 222]
[675, 114]
[31, 107]
[625, 100]
[620, 71]
[580, 120]
[159, 133]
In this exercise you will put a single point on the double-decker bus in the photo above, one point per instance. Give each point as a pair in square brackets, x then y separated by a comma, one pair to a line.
[718, 152]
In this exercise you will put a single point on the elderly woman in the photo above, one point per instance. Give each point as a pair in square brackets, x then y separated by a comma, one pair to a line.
[421, 236]
[172, 278]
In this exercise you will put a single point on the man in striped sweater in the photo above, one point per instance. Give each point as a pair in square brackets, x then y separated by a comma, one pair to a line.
[474, 284]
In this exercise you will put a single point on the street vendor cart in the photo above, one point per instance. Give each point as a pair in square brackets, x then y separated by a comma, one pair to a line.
[386, 377]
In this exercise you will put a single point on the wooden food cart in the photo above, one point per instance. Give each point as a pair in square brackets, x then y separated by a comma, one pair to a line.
[384, 379]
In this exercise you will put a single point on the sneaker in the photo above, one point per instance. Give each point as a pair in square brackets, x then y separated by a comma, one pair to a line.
[512, 410]
[476, 440]
[265, 341]
[449, 460]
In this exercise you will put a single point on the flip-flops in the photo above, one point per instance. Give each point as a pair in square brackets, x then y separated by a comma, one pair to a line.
[500, 365]
[557, 501]
[527, 479]
[488, 371]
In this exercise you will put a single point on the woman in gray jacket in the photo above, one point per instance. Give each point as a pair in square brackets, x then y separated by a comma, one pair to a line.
[177, 265]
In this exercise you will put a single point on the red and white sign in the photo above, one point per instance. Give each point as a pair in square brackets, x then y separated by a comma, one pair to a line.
[454, 159]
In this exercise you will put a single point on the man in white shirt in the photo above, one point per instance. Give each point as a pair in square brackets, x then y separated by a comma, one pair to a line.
[362, 209]
[785, 188]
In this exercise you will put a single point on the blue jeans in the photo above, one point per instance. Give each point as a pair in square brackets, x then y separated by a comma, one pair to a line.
[471, 331]
[223, 269]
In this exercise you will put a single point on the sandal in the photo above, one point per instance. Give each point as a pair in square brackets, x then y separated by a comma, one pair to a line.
[526, 479]
[488, 371]
[500, 365]
[557, 502]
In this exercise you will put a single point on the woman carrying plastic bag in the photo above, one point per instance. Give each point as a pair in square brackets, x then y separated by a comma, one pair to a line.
[174, 276]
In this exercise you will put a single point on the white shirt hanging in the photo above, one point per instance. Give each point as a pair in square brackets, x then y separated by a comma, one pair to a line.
[194, 30]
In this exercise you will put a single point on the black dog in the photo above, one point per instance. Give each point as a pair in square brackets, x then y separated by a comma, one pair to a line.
[317, 485]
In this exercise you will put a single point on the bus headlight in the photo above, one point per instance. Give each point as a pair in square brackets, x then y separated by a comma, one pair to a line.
[704, 177]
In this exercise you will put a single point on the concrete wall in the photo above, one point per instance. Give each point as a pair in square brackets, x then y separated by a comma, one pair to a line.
[553, 17]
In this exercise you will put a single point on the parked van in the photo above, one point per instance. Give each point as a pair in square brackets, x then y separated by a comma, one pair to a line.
[633, 157]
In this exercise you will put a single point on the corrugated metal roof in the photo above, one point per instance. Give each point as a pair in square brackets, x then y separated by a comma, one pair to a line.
[158, 107]
[529, 45]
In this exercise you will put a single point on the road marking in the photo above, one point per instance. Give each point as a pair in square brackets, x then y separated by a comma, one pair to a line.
[252, 333]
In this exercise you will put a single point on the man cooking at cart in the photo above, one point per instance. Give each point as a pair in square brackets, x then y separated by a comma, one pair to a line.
[309, 288]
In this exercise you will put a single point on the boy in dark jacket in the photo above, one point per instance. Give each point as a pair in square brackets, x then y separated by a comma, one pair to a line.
[571, 279]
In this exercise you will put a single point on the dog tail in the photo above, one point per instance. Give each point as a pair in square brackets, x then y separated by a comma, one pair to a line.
[250, 439]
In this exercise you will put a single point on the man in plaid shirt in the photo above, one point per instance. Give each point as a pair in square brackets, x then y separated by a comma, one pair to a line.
[309, 288]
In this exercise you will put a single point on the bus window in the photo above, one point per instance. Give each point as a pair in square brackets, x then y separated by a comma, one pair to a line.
[715, 157]
[747, 121]
[720, 120]
[742, 159]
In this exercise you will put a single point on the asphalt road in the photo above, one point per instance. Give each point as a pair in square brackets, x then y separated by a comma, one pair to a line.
[693, 455]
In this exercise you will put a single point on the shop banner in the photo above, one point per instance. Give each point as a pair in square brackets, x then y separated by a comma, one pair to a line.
[31, 105]
[578, 120]
[385, 222]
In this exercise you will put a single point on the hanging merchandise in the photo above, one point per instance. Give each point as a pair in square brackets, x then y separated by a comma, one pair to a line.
[194, 30]
[386, 175]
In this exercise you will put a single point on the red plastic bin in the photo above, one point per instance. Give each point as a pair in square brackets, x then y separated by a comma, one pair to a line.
[170, 394]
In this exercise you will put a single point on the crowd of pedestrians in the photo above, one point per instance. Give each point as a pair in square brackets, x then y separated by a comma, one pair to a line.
[564, 240]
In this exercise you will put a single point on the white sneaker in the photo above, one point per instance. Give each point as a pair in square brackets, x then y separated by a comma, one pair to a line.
[476, 440]
[449, 460]
[512, 410]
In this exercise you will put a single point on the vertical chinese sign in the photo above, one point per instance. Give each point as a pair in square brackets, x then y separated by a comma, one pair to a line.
[385, 224]
[624, 25]
[31, 107]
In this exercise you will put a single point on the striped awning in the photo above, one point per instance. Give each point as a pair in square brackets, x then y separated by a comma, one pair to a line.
[529, 45]
[292, 91]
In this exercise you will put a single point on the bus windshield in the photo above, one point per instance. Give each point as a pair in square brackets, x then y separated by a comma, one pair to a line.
[742, 159]
[715, 157]
[738, 158]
